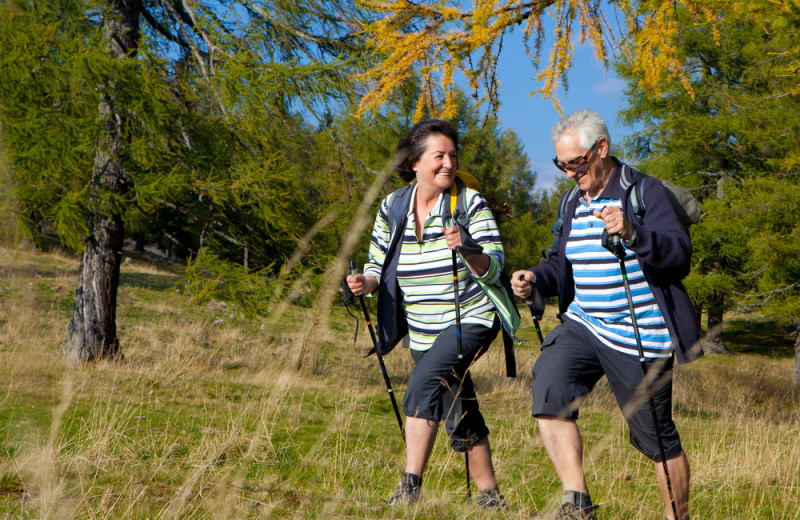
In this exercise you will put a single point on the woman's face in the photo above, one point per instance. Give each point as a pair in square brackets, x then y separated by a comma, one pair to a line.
[436, 167]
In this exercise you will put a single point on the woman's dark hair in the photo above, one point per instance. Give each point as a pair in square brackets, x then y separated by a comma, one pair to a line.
[412, 146]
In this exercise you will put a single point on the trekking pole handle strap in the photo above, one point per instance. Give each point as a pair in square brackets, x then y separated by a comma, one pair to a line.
[535, 300]
[613, 244]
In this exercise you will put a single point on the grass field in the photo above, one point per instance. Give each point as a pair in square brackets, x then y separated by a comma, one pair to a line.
[208, 417]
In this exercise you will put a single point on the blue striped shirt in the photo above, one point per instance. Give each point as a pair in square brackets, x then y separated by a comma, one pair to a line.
[425, 269]
[600, 301]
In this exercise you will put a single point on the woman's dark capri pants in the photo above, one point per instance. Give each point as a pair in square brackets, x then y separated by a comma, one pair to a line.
[573, 360]
[433, 389]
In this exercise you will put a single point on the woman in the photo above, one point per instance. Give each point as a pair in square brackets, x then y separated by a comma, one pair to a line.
[440, 387]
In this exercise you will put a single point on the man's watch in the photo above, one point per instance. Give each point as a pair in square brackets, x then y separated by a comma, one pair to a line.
[631, 240]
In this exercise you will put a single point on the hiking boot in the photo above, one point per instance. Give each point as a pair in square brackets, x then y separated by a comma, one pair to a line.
[569, 511]
[491, 500]
[408, 491]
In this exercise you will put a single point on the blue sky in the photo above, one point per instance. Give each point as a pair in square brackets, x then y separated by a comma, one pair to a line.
[531, 117]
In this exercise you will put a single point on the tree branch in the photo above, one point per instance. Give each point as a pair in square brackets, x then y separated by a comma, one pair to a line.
[157, 26]
[765, 297]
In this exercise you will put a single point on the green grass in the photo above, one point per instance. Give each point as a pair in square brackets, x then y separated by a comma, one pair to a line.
[208, 417]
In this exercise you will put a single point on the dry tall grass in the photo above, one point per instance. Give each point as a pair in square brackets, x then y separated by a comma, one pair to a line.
[208, 417]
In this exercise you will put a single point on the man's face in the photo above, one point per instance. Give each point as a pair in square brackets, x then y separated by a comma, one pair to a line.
[587, 173]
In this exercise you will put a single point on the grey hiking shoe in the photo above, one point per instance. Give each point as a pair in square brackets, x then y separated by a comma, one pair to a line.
[569, 511]
[408, 491]
[491, 500]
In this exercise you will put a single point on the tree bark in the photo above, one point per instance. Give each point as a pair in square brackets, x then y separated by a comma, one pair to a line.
[92, 331]
[714, 342]
[796, 374]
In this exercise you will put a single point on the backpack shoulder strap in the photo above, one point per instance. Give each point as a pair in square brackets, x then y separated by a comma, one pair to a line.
[398, 202]
[462, 205]
[630, 176]
[456, 202]
[637, 201]
[392, 325]
[559, 223]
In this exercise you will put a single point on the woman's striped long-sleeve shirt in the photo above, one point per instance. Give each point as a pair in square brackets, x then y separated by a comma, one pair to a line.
[425, 269]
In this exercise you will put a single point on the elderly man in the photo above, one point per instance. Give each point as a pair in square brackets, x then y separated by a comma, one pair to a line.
[597, 335]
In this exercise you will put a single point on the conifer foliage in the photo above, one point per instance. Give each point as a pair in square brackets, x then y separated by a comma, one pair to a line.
[731, 136]
[177, 119]
[438, 38]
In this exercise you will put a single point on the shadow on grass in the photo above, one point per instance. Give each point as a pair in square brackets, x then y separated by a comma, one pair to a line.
[155, 282]
[33, 271]
[766, 338]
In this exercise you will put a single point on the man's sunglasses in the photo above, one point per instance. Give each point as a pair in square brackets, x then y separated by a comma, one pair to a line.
[578, 165]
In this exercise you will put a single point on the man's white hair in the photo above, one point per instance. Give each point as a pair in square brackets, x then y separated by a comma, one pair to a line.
[587, 123]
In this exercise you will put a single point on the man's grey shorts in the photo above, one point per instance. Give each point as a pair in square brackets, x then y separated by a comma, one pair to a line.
[573, 360]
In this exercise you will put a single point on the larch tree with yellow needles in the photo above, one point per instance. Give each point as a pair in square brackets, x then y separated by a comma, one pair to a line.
[436, 39]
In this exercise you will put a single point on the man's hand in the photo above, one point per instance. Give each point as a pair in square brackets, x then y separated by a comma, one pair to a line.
[523, 285]
[615, 222]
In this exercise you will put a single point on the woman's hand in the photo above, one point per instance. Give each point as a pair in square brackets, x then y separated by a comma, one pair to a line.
[453, 236]
[360, 285]
[615, 222]
[522, 283]
[478, 263]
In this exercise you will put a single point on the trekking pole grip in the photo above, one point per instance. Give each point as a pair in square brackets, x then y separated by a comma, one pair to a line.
[536, 305]
[613, 244]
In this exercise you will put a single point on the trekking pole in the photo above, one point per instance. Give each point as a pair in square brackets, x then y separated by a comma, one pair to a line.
[536, 305]
[354, 270]
[460, 354]
[458, 306]
[613, 244]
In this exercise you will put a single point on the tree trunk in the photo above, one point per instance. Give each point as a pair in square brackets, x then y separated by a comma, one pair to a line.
[92, 331]
[714, 342]
[698, 313]
[796, 374]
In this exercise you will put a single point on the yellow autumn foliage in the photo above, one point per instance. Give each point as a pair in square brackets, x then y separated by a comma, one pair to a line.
[436, 39]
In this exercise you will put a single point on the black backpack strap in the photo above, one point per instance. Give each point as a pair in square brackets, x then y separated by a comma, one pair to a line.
[637, 201]
[398, 210]
[511, 359]
[392, 325]
[508, 337]
[630, 176]
[559, 224]
[349, 299]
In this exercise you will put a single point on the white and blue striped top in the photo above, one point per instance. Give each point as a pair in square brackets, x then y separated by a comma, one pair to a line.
[600, 301]
[425, 269]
